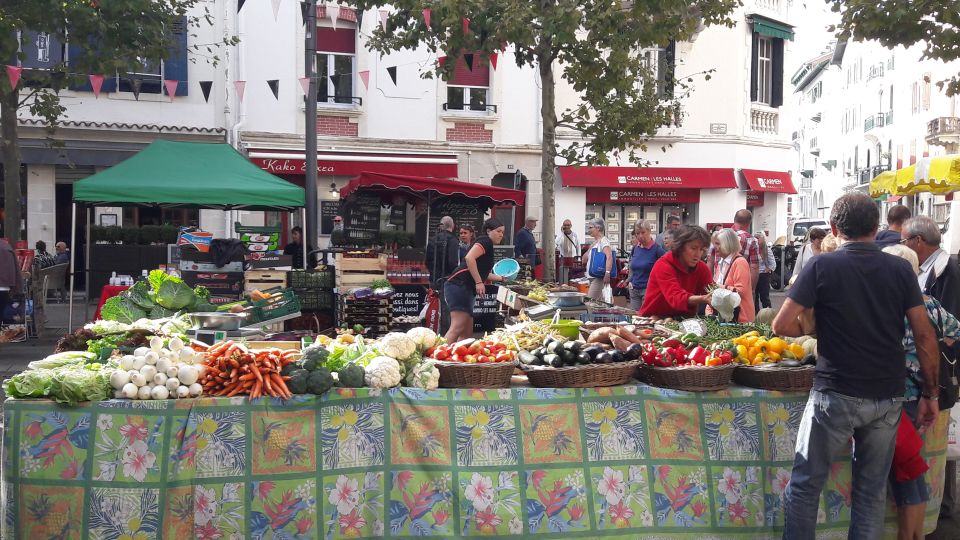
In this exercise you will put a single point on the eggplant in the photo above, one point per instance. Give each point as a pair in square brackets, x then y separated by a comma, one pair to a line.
[584, 358]
[553, 360]
[539, 351]
[553, 346]
[593, 351]
[526, 358]
[633, 352]
[604, 358]
[617, 356]
[573, 346]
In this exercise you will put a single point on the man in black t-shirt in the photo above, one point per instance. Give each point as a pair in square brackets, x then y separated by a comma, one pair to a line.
[442, 258]
[861, 297]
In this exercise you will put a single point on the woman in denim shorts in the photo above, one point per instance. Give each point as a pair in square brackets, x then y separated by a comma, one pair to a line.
[466, 281]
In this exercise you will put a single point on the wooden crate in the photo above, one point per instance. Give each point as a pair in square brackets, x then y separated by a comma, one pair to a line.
[360, 272]
[263, 279]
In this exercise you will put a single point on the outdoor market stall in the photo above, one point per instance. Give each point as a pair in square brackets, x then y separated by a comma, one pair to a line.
[306, 440]
[622, 463]
[173, 174]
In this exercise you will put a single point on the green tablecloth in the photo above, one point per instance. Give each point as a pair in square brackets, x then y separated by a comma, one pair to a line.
[517, 463]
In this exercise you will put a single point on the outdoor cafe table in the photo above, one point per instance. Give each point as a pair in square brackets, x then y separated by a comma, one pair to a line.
[624, 463]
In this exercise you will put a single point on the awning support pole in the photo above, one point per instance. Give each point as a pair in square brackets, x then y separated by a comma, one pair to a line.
[86, 266]
[304, 236]
[73, 262]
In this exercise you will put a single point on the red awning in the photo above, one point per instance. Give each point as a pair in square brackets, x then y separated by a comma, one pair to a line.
[769, 181]
[426, 187]
[648, 177]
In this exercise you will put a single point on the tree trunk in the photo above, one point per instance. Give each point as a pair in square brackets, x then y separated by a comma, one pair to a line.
[11, 164]
[548, 163]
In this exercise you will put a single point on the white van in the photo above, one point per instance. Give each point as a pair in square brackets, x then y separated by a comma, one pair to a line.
[802, 226]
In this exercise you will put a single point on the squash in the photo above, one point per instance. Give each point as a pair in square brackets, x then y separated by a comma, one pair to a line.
[810, 347]
[765, 316]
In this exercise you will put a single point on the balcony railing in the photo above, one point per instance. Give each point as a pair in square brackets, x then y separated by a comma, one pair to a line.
[771, 5]
[764, 119]
[875, 71]
[944, 131]
[877, 121]
[470, 107]
[340, 100]
[866, 174]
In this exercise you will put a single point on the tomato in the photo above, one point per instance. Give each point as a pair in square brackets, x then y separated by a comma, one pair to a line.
[475, 347]
[504, 356]
[461, 351]
[430, 352]
[498, 347]
[483, 359]
[485, 351]
[442, 354]
[470, 359]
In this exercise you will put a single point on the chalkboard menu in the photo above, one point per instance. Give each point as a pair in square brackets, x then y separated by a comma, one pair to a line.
[328, 211]
[462, 210]
[362, 219]
[485, 308]
[408, 300]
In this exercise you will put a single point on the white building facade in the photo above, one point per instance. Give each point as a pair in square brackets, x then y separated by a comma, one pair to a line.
[863, 109]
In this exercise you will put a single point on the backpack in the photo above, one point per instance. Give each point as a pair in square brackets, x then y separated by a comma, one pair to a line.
[949, 384]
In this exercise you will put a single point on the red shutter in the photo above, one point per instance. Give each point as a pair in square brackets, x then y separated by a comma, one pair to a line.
[479, 76]
[341, 40]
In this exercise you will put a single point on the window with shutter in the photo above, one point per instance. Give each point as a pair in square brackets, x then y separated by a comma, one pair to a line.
[469, 87]
[767, 60]
[336, 61]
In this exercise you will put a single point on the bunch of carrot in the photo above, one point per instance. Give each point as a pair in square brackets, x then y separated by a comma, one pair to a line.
[233, 370]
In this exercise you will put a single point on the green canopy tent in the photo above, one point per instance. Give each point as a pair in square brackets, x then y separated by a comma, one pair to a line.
[172, 174]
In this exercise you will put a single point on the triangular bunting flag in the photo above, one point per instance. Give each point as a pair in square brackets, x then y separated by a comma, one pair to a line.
[274, 85]
[96, 82]
[305, 85]
[240, 86]
[240, 5]
[135, 85]
[13, 75]
[503, 48]
[334, 13]
[466, 26]
[468, 59]
[205, 87]
[171, 86]
[493, 60]
[393, 74]
[384, 14]
[276, 8]
[365, 78]
[303, 11]
[426, 17]
[441, 61]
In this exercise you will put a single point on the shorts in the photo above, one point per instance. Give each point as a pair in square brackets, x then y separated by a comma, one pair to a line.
[459, 297]
[914, 491]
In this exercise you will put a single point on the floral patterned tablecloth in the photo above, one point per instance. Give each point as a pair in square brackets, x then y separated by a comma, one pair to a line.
[619, 463]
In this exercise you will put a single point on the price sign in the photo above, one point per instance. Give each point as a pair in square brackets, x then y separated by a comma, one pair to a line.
[408, 300]
[485, 309]
[463, 211]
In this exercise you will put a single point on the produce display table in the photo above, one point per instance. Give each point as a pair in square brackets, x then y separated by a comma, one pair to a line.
[108, 292]
[623, 462]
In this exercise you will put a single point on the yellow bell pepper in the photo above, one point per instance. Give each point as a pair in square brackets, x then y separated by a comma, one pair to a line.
[742, 351]
[753, 333]
[797, 350]
[774, 357]
[777, 345]
[714, 361]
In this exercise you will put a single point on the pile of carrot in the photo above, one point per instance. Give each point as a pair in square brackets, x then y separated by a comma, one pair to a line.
[234, 370]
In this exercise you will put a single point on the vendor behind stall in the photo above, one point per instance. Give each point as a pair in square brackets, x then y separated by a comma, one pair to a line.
[679, 280]
[467, 281]
[295, 249]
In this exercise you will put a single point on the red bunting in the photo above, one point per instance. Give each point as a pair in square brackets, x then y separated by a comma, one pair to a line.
[13, 75]
[493, 60]
[240, 86]
[426, 17]
[305, 85]
[441, 61]
[365, 78]
[96, 82]
[171, 86]
[466, 26]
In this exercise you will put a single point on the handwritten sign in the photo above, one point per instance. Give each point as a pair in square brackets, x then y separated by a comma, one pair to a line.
[462, 210]
[408, 300]
[485, 309]
[328, 211]
[362, 219]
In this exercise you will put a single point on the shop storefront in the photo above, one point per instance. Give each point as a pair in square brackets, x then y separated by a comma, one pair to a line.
[624, 195]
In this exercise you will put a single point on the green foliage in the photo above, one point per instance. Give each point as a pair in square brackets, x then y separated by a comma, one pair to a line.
[149, 234]
[934, 25]
[121, 309]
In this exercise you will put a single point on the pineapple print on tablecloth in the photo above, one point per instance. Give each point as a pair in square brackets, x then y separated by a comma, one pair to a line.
[422, 435]
[674, 430]
[51, 512]
[285, 442]
[551, 433]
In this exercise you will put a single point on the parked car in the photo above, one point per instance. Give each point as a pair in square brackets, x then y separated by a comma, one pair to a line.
[801, 227]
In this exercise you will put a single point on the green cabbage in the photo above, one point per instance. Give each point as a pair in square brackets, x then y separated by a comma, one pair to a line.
[174, 294]
[71, 385]
[62, 359]
[139, 294]
[122, 309]
[33, 383]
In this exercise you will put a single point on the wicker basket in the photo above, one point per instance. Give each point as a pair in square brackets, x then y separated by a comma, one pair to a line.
[689, 378]
[586, 376]
[783, 379]
[461, 375]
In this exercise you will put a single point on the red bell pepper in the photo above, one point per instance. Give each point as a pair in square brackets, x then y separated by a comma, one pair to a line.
[698, 355]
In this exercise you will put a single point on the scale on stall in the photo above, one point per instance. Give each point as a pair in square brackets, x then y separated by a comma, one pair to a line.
[253, 323]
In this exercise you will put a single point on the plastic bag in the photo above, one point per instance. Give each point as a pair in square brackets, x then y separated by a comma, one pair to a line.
[607, 295]
[725, 302]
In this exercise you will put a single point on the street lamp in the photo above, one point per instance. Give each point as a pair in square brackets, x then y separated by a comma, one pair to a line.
[334, 192]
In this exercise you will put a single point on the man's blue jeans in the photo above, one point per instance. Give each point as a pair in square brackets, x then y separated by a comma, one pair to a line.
[828, 423]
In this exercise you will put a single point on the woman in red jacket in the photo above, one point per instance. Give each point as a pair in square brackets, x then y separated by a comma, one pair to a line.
[679, 280]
